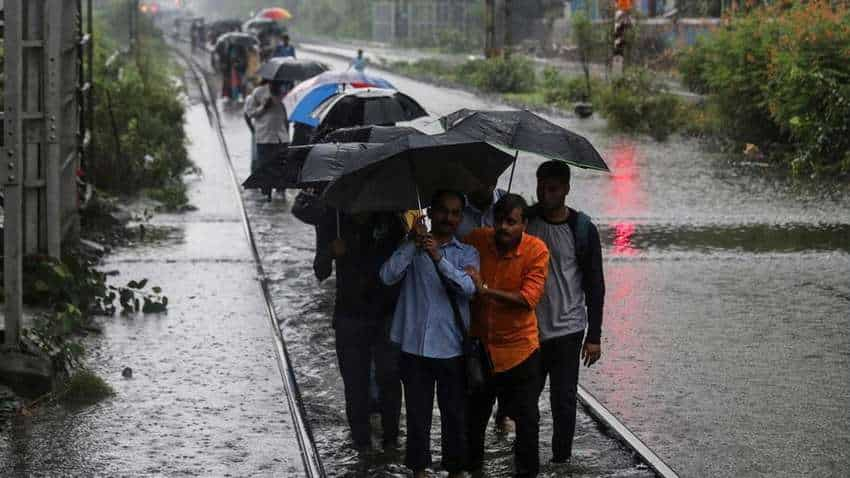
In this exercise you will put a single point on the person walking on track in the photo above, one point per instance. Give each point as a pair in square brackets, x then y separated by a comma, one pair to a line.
[359, 244]
[575, 292]
[264, 108]
[434, 285]
[511, 282]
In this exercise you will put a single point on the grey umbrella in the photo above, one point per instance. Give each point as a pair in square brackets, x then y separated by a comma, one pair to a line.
[525, 131]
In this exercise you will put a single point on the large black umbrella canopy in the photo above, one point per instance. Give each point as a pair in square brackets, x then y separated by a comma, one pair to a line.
[525, 131]
[368, 106]
[368, 134]
[308, 165]
[326, 161]
[290, 69]
[403, 174]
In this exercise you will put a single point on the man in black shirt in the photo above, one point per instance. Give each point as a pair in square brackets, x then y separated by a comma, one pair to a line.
[359, 245]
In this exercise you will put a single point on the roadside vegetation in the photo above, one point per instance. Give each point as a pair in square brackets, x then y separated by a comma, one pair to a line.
[140, 144]
[779, 77]
[775, 82]
[138, 148]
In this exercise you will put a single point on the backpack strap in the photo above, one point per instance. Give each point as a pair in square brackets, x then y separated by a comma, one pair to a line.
[579, 223]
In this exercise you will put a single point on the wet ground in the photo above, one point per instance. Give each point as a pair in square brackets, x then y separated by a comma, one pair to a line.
[727, 324]
[206, 397]
[305, 308]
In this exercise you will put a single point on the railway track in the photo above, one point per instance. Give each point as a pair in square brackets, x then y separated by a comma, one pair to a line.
[641, 452]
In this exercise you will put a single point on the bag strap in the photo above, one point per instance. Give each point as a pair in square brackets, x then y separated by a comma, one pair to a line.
[579, 223]
[453, 301]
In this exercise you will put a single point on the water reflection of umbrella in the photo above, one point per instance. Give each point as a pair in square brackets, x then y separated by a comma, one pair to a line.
[290, 69]
[275, 13]
[365, 107]
[305, 97]
[400, 175]
[525, 131]
[368, 134]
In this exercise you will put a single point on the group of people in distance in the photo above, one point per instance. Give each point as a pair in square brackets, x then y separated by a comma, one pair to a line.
[527, 281]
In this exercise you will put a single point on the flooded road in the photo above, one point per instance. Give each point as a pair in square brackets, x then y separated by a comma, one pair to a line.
[727, 327]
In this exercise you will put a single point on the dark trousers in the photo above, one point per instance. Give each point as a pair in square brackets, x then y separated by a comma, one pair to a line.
[517, 390]
[560, 361]
[269, 153]
[419, 375]
[358, 345]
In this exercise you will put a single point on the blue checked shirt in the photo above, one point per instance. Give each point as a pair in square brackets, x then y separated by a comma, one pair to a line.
[423, 323]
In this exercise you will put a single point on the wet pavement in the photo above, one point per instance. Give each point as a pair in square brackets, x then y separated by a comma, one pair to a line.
[727, 322]
[206, 397]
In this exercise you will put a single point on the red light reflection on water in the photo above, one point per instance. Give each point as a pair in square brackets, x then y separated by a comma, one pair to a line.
[625, 197]
[623, 232]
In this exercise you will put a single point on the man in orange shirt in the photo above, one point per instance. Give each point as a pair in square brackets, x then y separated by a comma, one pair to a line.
[509, 286]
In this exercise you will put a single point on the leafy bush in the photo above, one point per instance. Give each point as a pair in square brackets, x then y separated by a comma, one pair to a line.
[560, 90]
[779, 75]
[500, 75]
[138, 116]
[636, 103]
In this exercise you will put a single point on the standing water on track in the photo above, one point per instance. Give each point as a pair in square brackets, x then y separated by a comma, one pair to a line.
[725, 341]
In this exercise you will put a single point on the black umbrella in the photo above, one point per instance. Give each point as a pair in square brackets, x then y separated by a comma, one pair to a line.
[524, 130]
[367, 106]
[262, 25]
[290, 69]
[368, 134]
[403, 174]
[235, 38]
[305, 166]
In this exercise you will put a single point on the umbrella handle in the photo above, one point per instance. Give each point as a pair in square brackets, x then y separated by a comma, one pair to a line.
[338, 234]
[422, 211]
[513, 168]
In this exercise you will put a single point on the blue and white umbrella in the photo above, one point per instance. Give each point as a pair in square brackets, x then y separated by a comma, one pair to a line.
[306, 96]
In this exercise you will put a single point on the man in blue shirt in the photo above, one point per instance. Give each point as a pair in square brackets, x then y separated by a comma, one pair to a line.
[425, 328]
[284, 49]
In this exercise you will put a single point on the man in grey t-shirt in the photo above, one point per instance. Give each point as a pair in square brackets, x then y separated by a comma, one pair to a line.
[572, 302]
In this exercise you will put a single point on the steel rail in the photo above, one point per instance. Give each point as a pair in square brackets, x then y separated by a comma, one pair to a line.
[309, 453]
[590, 403]
[598, 411]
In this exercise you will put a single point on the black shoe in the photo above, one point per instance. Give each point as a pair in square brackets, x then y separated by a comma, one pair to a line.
[561, 460]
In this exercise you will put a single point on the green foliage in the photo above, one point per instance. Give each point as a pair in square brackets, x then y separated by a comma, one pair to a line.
[51, 283]
[85, 387]
[563, 91]
[499, 75]
[74, 291]
[636, 103]
[779, 75]
[138, 117]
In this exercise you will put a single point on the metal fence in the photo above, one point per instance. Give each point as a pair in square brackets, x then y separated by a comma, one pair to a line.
[46, 132]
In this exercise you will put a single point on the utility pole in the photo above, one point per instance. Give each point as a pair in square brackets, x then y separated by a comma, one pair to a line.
[507, 6]
[489, 28]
